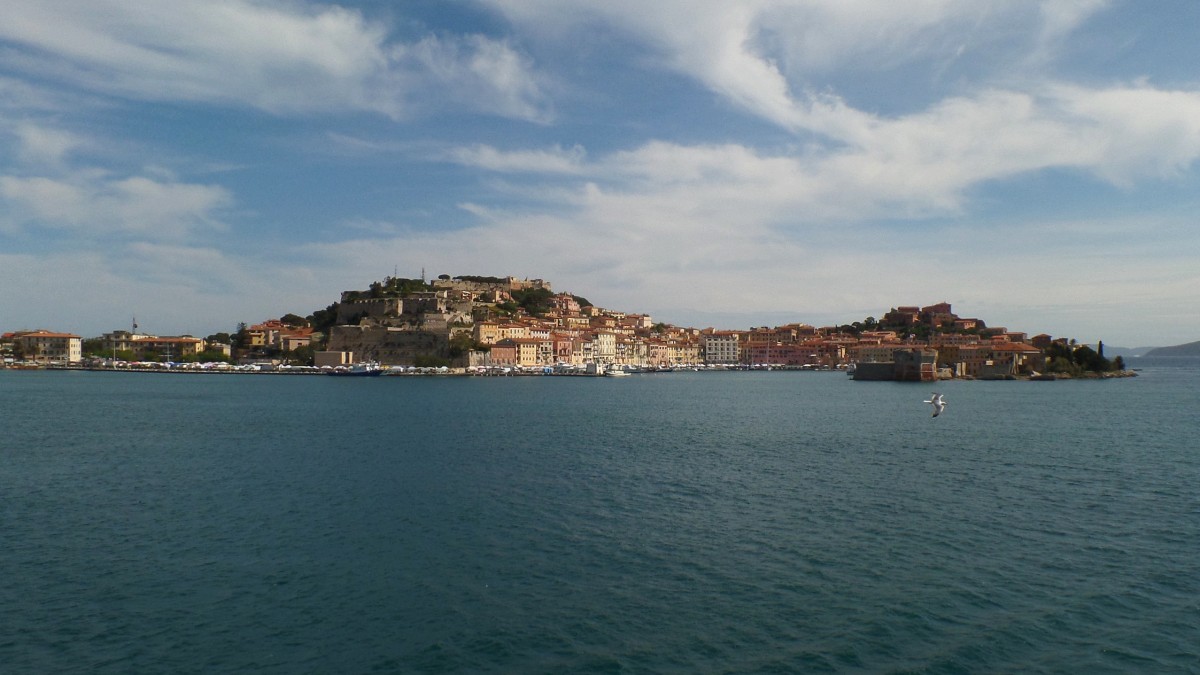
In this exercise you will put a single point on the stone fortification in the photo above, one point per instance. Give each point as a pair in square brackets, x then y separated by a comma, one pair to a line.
[482, 286]
[397, 330]
[351, 312]
[389, 345]
[436, 302]
[391, 310]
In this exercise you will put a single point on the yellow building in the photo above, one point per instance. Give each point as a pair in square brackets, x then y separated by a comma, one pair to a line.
[43, 346]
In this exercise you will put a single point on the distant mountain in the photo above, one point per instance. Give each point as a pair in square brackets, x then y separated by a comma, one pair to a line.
[1189, 349]
[1126, 352]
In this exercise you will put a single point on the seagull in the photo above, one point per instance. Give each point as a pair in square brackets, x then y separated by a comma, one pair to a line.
[938, 404]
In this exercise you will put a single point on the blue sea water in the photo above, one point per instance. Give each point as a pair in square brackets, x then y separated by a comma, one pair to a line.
[760, 522]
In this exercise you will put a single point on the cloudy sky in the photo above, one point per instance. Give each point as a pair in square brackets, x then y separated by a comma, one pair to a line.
[199, 163]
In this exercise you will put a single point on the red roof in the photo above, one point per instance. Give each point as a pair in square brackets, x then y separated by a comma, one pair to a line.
[44, 333]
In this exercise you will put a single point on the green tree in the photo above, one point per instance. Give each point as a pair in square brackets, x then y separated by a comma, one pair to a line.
[1089, 359]
[324, 319]
[293, 320]
[1058, 350]
[461, 343]
[93, 347]
[920, 332]
[535, 301]
[241, 339]
[300, 356]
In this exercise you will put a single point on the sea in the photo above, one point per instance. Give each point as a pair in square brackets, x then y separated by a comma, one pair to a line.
[685, 522]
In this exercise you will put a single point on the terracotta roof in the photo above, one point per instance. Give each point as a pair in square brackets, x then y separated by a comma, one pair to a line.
[1015, 347]
[44, 333]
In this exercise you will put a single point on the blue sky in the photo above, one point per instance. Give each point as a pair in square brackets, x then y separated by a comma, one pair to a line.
[199, 163]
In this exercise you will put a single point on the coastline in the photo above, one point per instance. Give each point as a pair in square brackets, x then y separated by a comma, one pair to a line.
[412, 371]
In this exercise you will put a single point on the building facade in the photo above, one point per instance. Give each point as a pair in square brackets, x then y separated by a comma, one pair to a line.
[47, 347]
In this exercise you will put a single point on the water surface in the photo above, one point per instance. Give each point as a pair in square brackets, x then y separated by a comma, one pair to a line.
[690, 522]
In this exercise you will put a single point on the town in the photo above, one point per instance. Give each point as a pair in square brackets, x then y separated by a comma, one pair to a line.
[480, 325]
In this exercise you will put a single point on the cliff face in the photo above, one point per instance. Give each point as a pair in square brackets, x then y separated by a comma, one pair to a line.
[1188, 349]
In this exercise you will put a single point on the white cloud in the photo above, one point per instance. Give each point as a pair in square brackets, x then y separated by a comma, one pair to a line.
[44, 145]
[1135, 132]
[1060, 17]
[1119, 134]
[282, 58]
[92, 204]
[556, 160]
[474, 72]
[914, 166]
[770, 56]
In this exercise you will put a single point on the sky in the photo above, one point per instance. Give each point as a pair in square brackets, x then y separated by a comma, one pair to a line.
[201, 163]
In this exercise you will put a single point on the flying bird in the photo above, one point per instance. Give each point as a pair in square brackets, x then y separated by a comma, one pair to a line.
[938, 403]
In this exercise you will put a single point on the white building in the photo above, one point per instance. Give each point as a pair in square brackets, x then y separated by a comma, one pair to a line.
[721, 348]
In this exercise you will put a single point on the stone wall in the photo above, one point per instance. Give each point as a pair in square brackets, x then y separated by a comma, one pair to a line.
[379, 309]
[508, 284]
[389, 345]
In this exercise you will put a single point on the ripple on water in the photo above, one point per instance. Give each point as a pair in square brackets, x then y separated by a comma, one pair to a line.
[737, 522]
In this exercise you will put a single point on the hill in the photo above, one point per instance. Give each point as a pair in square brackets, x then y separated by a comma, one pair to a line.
[1125, 352]
[1189, 349]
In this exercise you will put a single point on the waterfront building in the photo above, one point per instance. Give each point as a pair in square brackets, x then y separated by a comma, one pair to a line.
[43, 346]
[906, 364]
[722, 347]
[533, 351]
[170, 348]
[151, 347]
[504, 353]
[604, 348]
